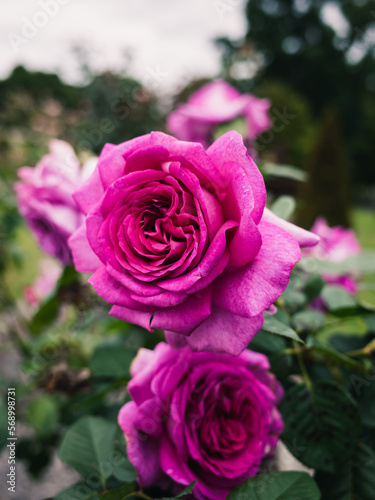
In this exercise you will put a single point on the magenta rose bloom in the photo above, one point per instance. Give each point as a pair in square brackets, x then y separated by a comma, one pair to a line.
[336, 245]
[177, 239]
[204, 417]
[45, 198]
[214, 104]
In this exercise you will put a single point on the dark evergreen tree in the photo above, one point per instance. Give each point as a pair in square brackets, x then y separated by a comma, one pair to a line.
[293, 43]
[326, 193]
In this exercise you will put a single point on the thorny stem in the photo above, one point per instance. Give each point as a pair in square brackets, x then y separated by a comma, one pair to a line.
[368, 350]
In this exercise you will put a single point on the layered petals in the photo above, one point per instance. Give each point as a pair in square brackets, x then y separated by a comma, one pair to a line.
[45, 198]
[204, 417]
[253, 289]
[215, 103]
[176, 240]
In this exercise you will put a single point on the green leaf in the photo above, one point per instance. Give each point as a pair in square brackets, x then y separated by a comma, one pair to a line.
[79, 491]
[294, 299]
[363, 262]
[68, 277]
[88, 447]
[273, 325]
[288, 485]
[366, 299]
[49, 309]
[239, 125]
[267, 343]
[335, 297]
[354, 481]
[338, 358]
[308, 320]
[314, 286]
[286, 171]
[43, 415]
[123, 470]
[283, 207]
[370, 322]
[45, 315]
[111, 360]
[119, 493]
[187, 491]
[324, 421]
[364, 389]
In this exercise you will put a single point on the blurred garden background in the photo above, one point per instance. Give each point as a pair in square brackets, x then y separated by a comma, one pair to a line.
[313, 59]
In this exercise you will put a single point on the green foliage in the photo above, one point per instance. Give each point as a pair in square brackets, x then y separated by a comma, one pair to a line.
[288, 140]
[284, 207]
[327, 191]
[324, 421]
[186, 491]
[111, 360]
[48, 311]
[75, 359]
[118, 109]
[309, 320]
[354, 481]
[277, 486]
[336, 298]
[119, 493]
[80, 491]
[299, 49]
[272, 325]
[89, 447]
[43, 415]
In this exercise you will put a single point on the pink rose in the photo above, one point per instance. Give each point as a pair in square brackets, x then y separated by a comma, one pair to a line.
[203, 417]
[177, 239]
[336, 245]
[214, 104]
[45, 198]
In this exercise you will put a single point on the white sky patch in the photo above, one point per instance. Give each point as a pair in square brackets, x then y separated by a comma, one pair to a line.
[332, 16]
[171, 38]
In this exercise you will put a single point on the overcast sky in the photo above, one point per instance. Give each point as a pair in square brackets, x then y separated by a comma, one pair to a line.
[169, 40]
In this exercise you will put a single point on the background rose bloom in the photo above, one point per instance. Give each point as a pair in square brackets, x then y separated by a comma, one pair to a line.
[45, 198]
[200, 416]
[214, 104]
[177, 239]
[336, 245]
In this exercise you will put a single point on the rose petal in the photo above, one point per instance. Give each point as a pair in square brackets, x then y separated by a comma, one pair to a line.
[143, 454]
[113, 292]
[224, 332]
[185, 317]
[238, 205]
[84, 258]
[304, 238]
[230, 148]
[91, 191]
[249, 291]
[140, 318]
